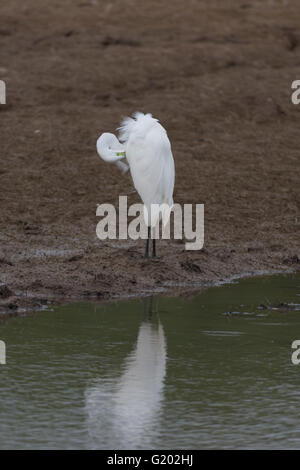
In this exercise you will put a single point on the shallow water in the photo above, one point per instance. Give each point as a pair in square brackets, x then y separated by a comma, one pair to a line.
[212, 371]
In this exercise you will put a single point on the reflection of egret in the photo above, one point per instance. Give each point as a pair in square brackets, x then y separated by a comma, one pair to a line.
[123, 413]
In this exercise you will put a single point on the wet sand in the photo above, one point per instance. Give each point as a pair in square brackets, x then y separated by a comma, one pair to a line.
[218, 76]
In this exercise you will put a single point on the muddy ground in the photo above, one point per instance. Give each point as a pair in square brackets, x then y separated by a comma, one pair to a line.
[218, 76]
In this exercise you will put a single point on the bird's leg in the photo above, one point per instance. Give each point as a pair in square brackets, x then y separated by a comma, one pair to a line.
[154, 243]
[147, 243]
[153, 248]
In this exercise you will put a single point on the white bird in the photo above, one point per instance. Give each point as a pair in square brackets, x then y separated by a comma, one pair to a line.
[145, 144]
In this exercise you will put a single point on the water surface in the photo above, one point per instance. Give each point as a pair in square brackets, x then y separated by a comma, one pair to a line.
[211, 371]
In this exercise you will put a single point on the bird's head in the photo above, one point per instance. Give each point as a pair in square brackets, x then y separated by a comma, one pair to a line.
[109, 148]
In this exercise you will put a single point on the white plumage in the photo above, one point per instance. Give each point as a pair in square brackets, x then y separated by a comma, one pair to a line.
[149, 155]
[148, 152]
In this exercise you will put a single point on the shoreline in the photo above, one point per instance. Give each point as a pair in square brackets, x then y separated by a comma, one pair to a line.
[16, 301]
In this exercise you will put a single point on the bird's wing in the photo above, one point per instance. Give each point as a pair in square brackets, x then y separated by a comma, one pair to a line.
[152, 165]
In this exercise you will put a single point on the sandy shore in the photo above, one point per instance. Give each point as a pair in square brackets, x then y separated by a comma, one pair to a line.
[218, 78]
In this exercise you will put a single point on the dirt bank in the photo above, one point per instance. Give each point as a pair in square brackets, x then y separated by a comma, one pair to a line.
[218, 76]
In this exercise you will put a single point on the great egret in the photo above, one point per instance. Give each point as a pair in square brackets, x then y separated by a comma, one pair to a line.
[144, 143]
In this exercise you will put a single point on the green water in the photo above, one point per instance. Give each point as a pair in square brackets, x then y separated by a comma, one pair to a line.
[191, 375]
